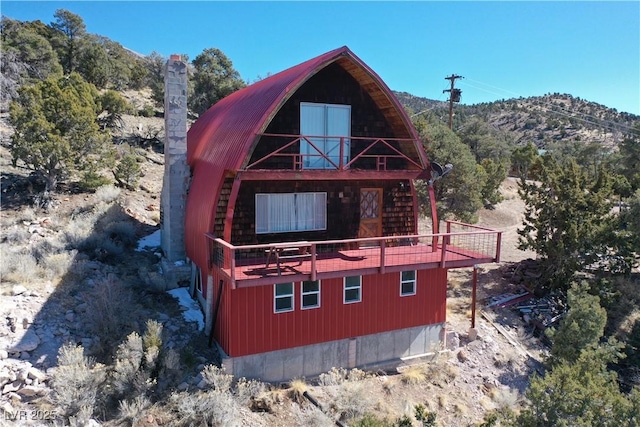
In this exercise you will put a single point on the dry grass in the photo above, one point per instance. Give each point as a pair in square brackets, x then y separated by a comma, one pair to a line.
[353, 400]
[413, 374]
[442, 401]
[504, 398]
[297, 387]
[110, 304]
[77, 382]
[107, 194]
[134, 410]
[335, 376]
[128, 360]
[440, 372]
[18, 266]
[217, 379]
[246, 390]
[210, 408]
[312, 416]
[153, 334]
[57, 265]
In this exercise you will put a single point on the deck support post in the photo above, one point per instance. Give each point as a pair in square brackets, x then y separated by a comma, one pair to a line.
[473, 296]
[434, 217]
[215, 313]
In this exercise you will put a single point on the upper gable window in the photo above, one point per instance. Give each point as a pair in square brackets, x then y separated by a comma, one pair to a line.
[323, 125]
[285, 212]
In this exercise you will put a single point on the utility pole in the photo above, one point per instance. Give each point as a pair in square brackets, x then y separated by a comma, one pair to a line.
[454, 96]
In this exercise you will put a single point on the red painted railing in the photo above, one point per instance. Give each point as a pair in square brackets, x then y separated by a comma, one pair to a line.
[368, 152]
[254, 265]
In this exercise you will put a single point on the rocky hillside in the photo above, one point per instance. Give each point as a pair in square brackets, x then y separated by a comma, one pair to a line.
[541, 120]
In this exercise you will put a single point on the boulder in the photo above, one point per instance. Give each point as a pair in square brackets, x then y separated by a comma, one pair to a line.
[18, 290]
[31, 390]
[28, 342]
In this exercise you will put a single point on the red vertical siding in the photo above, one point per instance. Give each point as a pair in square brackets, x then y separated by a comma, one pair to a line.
[248, 325]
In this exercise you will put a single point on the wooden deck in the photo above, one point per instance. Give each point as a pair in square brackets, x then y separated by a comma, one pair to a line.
[254, 265]
[353, 262]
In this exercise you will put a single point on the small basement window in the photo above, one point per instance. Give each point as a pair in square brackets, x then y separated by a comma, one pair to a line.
[407, 283]
[283, 297]
[352, 289]
[310, 297]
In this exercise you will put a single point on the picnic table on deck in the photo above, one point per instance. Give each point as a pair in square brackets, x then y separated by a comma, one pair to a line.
[287, 250]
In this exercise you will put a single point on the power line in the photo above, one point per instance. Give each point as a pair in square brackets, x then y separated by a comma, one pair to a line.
[603, 123]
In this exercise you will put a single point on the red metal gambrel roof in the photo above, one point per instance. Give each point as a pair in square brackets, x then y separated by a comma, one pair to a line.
[222, 138]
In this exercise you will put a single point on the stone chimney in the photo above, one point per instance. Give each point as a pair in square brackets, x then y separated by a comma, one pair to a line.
[176, 171]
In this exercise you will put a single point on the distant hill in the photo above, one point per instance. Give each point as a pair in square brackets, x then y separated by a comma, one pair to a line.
[540, 120]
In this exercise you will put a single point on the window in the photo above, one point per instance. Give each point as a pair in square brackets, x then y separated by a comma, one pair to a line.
[284, 212]
[407, 283]
[283, 297]
[310, 297]
[324, 120]
[352, 289]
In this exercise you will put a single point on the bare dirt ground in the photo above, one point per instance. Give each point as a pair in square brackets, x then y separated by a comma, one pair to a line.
[461, 384]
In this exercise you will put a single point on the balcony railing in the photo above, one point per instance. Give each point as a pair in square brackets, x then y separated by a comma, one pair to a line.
[463, 245]
[380, 154]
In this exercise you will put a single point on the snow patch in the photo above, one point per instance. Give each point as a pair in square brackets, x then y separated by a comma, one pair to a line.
[151, 241]
[190, 308]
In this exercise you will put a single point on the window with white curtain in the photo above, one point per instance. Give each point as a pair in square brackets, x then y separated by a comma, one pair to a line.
[324, 121]
[286, 212]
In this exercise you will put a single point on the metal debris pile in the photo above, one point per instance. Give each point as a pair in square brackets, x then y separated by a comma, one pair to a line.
[543, 312]
[537, 312]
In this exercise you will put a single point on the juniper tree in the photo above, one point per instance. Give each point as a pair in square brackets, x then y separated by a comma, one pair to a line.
[459, 195]
[582, 327]
[56, 131]
[581, 392]
[214, 78]
[568, 220]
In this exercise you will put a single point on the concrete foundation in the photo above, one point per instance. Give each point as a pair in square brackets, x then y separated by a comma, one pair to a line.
[386, 350]
[175, 274]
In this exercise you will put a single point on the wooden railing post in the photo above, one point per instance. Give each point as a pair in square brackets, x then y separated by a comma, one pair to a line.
[313, 262]
[443, 255]
[233, 268]
[382, 252]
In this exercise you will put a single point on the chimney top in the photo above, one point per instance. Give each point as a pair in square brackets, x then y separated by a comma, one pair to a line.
[175, 57]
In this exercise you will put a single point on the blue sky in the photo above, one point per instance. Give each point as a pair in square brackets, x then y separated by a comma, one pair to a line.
[502, 49]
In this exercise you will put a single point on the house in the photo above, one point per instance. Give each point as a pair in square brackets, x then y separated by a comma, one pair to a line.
[302, 225]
